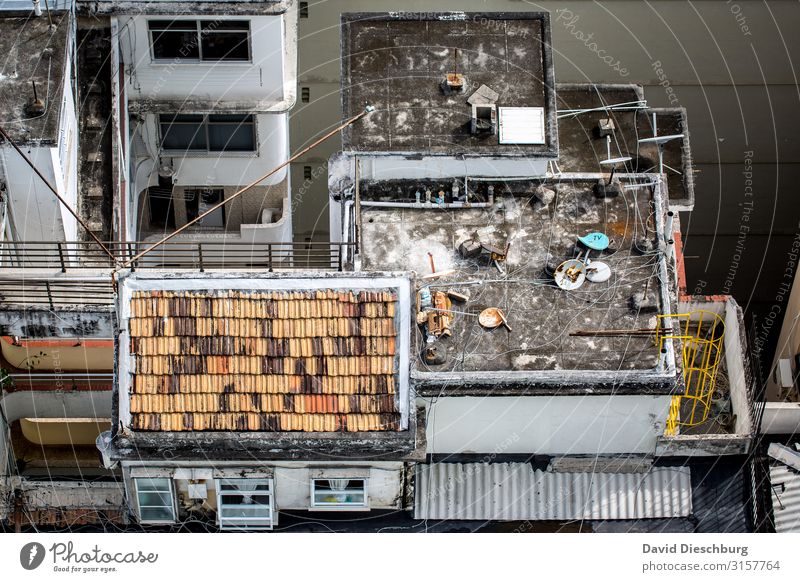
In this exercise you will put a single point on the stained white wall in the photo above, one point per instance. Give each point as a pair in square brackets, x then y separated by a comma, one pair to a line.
[261, 80]
[384, 485]
[34, 211]
[433, 167]
[551, 425]
[230, 169]
[292, 479]
[65, 158]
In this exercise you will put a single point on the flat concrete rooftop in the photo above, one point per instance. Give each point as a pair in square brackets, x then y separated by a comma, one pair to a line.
[581, 148]
[397, 62]
[541, 315]
[32, 53]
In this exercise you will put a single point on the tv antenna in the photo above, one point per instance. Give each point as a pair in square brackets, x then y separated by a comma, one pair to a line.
[613, 162]
[660, 140]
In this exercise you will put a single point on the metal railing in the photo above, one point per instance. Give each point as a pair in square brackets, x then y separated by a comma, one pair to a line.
[35, 380]
[702, 334]
[53, 292]
[197, 255]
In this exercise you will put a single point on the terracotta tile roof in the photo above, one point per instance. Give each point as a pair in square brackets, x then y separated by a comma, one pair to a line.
[263, 361]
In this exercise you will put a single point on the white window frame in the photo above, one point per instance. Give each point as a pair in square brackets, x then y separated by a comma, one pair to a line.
[171, 490]
[339, 506]
[245, 523]
[199, 39]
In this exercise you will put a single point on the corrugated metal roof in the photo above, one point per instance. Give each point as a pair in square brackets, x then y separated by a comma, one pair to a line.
[785, 498]
[514, 491]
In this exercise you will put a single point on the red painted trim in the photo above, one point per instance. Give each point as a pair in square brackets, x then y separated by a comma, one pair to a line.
[680, 264]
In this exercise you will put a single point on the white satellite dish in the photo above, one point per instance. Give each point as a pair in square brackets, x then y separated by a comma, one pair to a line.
[615, 161]
[635, 185]
[598, 272]
[570, 274]
[659, 139]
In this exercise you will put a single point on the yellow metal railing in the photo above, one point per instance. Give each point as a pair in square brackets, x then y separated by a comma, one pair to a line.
[701, 334]
[673, 418]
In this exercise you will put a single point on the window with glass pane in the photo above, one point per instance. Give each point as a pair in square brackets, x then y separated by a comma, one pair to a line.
[231, 133]
[208, 133]
[183, 132]
[200, 40]
[225, 40]
[155, 498]
[244, 503]
[339, 493]
[174, 39]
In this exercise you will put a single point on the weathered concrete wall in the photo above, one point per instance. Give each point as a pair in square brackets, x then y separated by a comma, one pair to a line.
[546, 425]
[260, 81]
[33, 323]
[56, 404]
[292, 480]
[712, 445]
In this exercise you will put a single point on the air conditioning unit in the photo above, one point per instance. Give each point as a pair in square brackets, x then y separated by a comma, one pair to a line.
[198, 490]
[785, 376]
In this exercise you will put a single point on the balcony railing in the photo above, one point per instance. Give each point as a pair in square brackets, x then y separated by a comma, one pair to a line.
[35, 380]
[194, 255]
[53, 292]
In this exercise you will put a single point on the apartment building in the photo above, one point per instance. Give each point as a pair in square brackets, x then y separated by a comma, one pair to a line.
[206, 91]
[132, 120]
[499, 329]
[486, 179]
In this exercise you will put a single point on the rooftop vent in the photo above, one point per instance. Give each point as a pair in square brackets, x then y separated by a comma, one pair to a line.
[484, 110]
[453, 82]
[35, 106]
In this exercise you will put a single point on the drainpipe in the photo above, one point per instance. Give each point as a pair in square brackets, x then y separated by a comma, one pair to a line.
[426, 204]
[668, 225]
[348, 206]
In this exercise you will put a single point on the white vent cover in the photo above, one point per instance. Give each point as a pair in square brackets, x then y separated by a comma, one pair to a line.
[523, 125]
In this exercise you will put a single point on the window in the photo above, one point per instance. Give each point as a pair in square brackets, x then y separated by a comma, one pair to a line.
[200, 40]
[305, 94]
[339, 493]
[156, 500]
[244, 503]
[208, 133]
[303, 9]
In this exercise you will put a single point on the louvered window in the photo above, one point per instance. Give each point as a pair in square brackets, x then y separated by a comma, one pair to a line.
[245, 503]
[156, 500]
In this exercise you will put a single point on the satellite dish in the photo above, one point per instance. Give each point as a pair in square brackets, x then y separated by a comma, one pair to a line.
[635, 185]
[570, 274]
[615, 161]
[598, 272]
[597, 241]
[659, 139]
